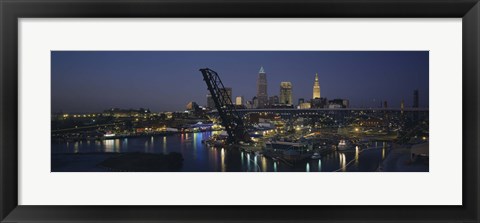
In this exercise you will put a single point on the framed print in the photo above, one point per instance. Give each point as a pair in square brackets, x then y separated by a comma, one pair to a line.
[239, 111]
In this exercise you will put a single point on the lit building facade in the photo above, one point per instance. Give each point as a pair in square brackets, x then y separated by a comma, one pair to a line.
[316, 87]
[273, 100]
[319, 103]
[262, 95]
[301, 101]
[304, 105]
[338, 103]
[286, 93]
[239, 100]
[255, 102]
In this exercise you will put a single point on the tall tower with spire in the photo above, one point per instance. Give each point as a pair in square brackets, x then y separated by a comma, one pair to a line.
[262, 95]
[316, 87]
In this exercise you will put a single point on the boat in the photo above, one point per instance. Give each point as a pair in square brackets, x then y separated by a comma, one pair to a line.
[344, 145]
[316, 156]
[281, 145]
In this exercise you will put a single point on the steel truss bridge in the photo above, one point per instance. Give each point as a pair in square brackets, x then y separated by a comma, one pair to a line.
[291, 113]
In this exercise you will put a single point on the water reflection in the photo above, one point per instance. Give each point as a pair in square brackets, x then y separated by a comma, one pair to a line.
[343, 162]
[223, 160]
[241, 158]
[357, 151]
[384, 148]
[164, 145]
[109, 144]
[75, 147]
[264, 164]
[248, 161]
[200, 157]
[116, 146]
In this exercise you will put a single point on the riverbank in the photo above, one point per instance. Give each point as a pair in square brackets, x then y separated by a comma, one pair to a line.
[59, 139]
[116, 162]
[398, 160]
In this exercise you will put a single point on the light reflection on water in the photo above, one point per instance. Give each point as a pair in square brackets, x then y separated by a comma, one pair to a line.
[357, 151]
[164, 145]
[108, 144]
[264, 164]
[223, 160]
[343, 162]
[199, 157]
[384, 147]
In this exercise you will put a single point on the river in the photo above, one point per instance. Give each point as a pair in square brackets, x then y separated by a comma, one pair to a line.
[199, 157]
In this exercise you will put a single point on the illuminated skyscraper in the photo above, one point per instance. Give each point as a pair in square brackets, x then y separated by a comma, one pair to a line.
[262, 95]
[316, 87]
[286, 93]
[255, 102]
[273, 100]
[239, 100]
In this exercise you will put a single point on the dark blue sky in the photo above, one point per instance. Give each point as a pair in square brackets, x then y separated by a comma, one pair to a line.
[90, 81]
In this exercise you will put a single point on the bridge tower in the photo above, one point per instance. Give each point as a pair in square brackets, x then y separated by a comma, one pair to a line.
[229, 116]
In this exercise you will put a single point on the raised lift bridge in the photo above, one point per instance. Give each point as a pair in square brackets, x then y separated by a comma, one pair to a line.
[229, 116]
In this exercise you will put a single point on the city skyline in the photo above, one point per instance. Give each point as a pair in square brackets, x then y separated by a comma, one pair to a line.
[87, 81]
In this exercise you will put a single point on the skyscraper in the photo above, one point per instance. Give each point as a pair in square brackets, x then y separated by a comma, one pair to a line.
[316, 87]
[255, 102]
[286, 93]
[273, 100]
[262, 95]
[239, 100]
[210, 102]
[415, 98]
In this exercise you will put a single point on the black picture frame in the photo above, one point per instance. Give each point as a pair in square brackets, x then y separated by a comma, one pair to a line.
[12, 10]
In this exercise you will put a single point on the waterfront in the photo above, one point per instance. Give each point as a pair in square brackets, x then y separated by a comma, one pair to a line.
[198, 157]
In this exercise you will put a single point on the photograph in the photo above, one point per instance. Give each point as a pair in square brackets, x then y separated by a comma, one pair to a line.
[239, 111]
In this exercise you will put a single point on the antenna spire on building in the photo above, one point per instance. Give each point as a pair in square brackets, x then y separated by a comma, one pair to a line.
[262, 95]
[261, 70]
[316, 87]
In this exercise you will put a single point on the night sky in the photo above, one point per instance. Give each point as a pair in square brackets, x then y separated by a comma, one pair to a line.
[92, 81]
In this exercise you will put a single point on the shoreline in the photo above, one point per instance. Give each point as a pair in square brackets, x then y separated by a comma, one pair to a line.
[398, 160]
